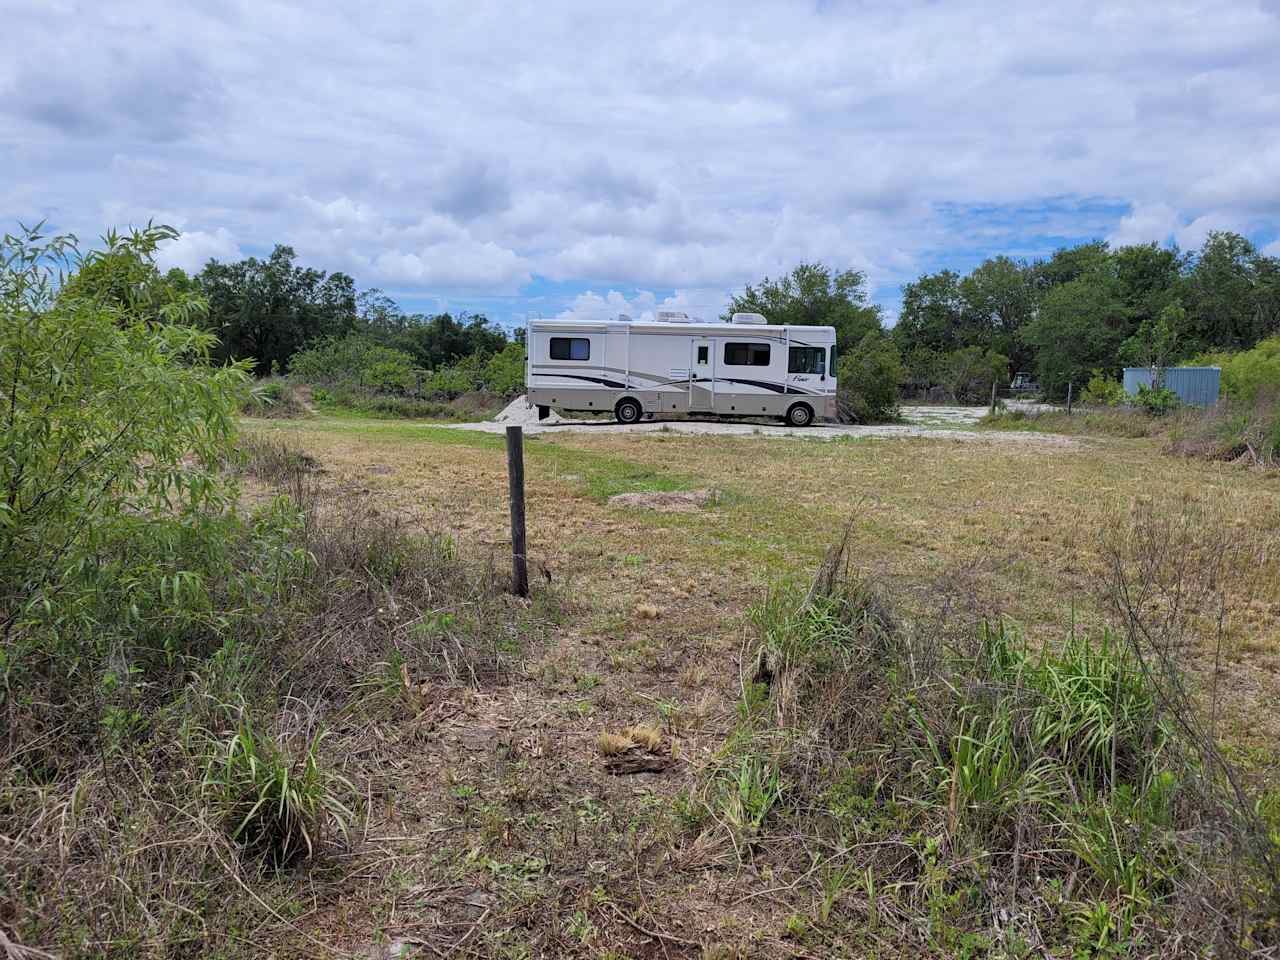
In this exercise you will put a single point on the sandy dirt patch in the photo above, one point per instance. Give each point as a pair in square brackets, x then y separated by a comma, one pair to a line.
[683, 501]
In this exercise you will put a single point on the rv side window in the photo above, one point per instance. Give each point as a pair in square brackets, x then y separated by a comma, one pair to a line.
[570, 348]
[746, 354]
[807, 360]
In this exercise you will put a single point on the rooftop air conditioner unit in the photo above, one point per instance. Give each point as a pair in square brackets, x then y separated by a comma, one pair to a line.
[624, 317]
[672, 316]
[757, 318]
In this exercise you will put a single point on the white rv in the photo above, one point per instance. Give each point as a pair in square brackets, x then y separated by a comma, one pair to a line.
[744, 368]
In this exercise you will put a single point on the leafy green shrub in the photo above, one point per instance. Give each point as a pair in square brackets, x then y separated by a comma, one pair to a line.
[968, 373]
[356, 361]
[116, 423]
[868, 380]
[501, 374]
[1249, 373]
[449, 382]
[1103, 391]
[1156, 401]
[504, 372]
[276, 399]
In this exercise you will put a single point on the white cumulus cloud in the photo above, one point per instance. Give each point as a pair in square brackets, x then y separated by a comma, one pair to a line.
[193, 249]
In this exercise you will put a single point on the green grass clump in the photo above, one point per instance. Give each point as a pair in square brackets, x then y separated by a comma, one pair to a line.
[272, 804]
[1051, 778]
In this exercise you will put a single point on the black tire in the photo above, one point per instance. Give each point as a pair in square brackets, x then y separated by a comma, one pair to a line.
[799, 415]
[628, 411]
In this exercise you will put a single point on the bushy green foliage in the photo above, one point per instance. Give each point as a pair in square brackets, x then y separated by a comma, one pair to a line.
[1156, 401]
[1248, 374]
[504, 371]
[1077, 329]
[968, 373]
[1103, 391]
[943, 313]
[1092, 307]
[869, 375]
[356, 361]
[443, 340]
[114, 422]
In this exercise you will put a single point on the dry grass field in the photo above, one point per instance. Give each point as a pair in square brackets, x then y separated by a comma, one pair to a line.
[534, 816]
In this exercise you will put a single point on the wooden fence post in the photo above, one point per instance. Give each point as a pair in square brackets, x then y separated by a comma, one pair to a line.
[992, 411]
[515, 476]
[1070, 385]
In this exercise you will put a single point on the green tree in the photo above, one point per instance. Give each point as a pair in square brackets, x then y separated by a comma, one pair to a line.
[1072, 263]
[267, 310]
[444, 339]
[1150, 278]
[999, 299]
[932, 316]
[1079, 328]
[114, 422]
[1232, 294]
[1158, 342]
[869, 376]
[813, 295]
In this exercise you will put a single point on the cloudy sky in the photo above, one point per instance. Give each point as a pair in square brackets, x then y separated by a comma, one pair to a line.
[532, 159]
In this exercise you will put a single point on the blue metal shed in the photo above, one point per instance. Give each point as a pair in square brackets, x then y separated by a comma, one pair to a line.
[1195, 386]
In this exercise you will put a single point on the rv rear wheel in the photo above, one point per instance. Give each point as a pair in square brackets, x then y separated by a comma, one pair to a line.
[799, 415]
[628, 411]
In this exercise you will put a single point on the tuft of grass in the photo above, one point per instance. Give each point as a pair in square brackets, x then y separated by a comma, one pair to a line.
[648, 737]
[273, 460]
[273, 804]
[612, 744]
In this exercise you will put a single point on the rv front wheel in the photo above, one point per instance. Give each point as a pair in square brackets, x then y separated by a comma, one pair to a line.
[799, 415]
[628, 411]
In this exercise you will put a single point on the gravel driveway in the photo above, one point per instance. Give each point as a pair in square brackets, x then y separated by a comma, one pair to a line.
[942, 423]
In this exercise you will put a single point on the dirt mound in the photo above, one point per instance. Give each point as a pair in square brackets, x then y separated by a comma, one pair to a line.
[682, 501]
[519, 413]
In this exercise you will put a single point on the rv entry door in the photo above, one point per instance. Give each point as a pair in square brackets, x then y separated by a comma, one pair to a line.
[702, 376]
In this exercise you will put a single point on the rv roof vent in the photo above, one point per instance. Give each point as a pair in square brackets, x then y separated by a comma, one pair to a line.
[672, 316]
[748, 318]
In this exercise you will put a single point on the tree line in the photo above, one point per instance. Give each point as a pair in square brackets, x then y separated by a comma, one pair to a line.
[268, 311]
[1088, 308]
[1084, 311]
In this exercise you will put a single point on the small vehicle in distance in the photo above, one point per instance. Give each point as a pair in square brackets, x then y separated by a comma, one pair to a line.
[1023, 385]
